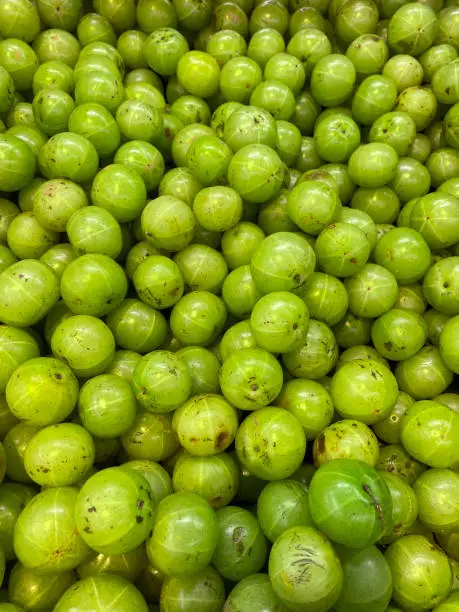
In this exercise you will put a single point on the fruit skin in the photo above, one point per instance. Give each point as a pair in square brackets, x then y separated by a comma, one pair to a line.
[421, 573]
[360, 501]
[114, 511]
[317, 586]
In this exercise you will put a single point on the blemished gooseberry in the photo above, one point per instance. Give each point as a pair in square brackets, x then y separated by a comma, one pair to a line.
[350, 502]
[421, 573]
[319, 586]
[114, 510]
[346, 439]
[271, 443]
[251, 378]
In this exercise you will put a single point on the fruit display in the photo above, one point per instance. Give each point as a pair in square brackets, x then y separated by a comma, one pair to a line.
[229, 305]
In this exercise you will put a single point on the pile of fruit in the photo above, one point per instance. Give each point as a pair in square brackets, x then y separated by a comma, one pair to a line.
[229, 305]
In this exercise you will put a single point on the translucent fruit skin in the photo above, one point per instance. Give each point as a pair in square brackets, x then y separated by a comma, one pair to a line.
[114, 510]
[45, 534]
[111, 590]
[318, 588]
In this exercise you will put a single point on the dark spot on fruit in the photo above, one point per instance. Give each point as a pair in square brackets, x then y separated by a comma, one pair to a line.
[354, 260]
[139, 519]
[254, 387]
[388, 345]
[295, 326]
[446, 284]
[140, 504]
[58, 376]
[222, 438]
[92, 509]
[321, 443]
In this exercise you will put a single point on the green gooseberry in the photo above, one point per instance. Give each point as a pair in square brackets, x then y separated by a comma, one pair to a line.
[8, 211]
[442, 165]
[180, 183]
[324, 582]
[48, 385]
[45, 534]
[27, 27]
[436, 57]
[332, 79]
[360, 352]
[380, 203]
[308, 159]
[369, 53]
[184, 139]
[372, 291]
[110, 588]
[450, 127]
[395, 460]
[443, 83]
[249, 125]
[256, 172]
[420, 103]
[436, 217]
[365, 390]
[428, 433]
[375, 96]
[404, 506]
[95, 348]
[123, 364]
[107, 406]
[17, 163]
[421, 573]
[440, 286]
[92, 229]
[271, 443]
[436, 491]
[241, 548]
[97, 124]
[373, 164]
[27, 239]
[405, 253]
[128, 565]
[198, 73]
[447, 344]
[273, 217]
[352, 330]
[185, 534]
[93, 284]
[264, 44]
[275, 97]
[317, 356]
[54, 44]
[251, 378]
[100, 87]
[412, 29]
[17, 346]
[399, 334]
[138, 120]
[326, 298]
[130, 46]
[448, 604]
[145, 159]
[396, 129]
[150, 437]
[282, 505]
[28, 290]
[288, 141]
[13, 498]
[346, 439]
[336, 137]
[350, 502]
[136, 326]
[156, 476]
[206, 424]
[435, 322]
[240, 242]
[420, 148]
[404, 70]
[236, 337]
[217, 208]
[279, 322]
[206, 587]
[411, 297]
[120, 190]
[425, 374]
[367, 580]
[7, 419]
[354, 19]
[168, 223]
[59, 455]
[254, 590]
[312, 205]
[122, 499]
[14, 445]
[342, 249]
[58, 257]
[203, 367]
[158, 281]
[287, 69]
[208, 158]
[55, 201]
[269, 14]
[411, 180]
[214, 478]
[69, 155]
[154, 14]
[198, 318]
[20, 60]
[239, 292]
[52, 109]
